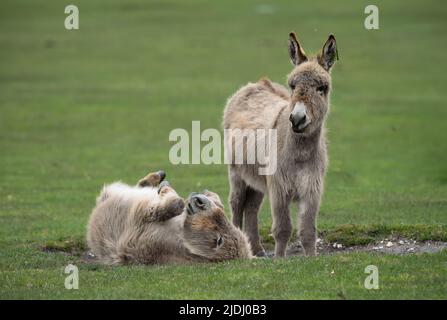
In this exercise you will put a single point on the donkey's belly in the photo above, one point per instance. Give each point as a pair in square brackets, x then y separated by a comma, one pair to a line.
[249, 174]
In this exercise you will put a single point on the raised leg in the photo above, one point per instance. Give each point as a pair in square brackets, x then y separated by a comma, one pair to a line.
[282, 225]
[152, 179]
[169, 205]
[237, 197]
[308, 207]
[253, 201]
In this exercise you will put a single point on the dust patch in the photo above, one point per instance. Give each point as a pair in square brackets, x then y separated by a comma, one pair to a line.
[397, 246]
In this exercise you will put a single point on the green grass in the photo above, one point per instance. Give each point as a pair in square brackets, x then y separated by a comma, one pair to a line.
[81, 108]
[328, 277]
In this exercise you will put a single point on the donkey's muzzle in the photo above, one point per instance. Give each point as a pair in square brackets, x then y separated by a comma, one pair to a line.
[298, 118]
[298, 121]
[197, 202]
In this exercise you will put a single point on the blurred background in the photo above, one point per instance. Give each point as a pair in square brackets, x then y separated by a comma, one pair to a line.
[80, 108]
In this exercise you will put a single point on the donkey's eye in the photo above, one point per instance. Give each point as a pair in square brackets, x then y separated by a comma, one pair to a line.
[219, 241]
[322, 89]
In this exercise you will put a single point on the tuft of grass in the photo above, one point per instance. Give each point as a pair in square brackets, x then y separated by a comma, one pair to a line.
[73, 245]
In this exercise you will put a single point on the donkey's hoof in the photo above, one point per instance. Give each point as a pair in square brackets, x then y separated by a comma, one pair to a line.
[162, 175]
[262, 254]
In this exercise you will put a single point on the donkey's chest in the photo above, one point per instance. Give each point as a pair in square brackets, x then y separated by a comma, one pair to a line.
[298, 177]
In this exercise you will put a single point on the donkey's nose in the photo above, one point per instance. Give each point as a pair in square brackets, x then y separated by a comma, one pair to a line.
[298, 120]
[197, 202]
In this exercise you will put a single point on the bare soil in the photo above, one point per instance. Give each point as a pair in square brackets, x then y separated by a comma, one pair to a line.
[396, 246]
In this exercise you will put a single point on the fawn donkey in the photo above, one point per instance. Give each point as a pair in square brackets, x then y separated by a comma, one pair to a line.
[149, 224]
[298, 116]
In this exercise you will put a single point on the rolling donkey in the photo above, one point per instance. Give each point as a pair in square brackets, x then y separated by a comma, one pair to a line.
[298, 116]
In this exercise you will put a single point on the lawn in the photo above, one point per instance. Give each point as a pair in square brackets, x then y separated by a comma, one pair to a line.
[85, 107]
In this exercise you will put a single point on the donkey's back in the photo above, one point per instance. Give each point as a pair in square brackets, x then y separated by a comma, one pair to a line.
[256, 106]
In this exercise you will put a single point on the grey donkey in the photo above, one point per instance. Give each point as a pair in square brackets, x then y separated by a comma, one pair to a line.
[299, 116]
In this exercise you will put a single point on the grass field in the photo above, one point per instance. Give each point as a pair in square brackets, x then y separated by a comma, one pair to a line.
[84, 107]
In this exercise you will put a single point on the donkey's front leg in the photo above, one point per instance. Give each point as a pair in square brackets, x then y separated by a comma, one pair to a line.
[152, 179]
[282, 225]
[237, 197]
[308, 207]
[171, 205]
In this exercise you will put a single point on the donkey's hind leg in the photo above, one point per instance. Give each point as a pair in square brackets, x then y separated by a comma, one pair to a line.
[253, 201]
[237, 197]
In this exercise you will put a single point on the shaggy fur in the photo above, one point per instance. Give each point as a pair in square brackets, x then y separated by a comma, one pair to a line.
[148, 224]
[299, 116]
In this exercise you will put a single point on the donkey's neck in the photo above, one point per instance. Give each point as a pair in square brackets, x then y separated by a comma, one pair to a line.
[302, 148]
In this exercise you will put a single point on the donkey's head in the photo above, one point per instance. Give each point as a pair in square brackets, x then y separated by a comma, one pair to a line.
[208, 233]
[310, 83]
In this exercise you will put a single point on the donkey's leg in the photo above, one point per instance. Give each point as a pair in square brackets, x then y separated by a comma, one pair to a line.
[171, 204]
[237, 196]
[152, 179]
[282, 225]
[307, 215]
[253, 201]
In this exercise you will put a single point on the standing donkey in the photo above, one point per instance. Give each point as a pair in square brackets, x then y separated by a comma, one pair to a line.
[298, 116]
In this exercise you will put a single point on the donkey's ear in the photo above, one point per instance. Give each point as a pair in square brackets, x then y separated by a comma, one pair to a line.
[296, 54]
[328, 54]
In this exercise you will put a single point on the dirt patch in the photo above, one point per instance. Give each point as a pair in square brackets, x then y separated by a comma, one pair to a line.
[397, 246]
[69, 246]
[387, 246]
[88, 257]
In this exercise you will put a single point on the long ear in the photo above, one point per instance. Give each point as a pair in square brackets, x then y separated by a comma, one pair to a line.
[296, 54]
[328, 54]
